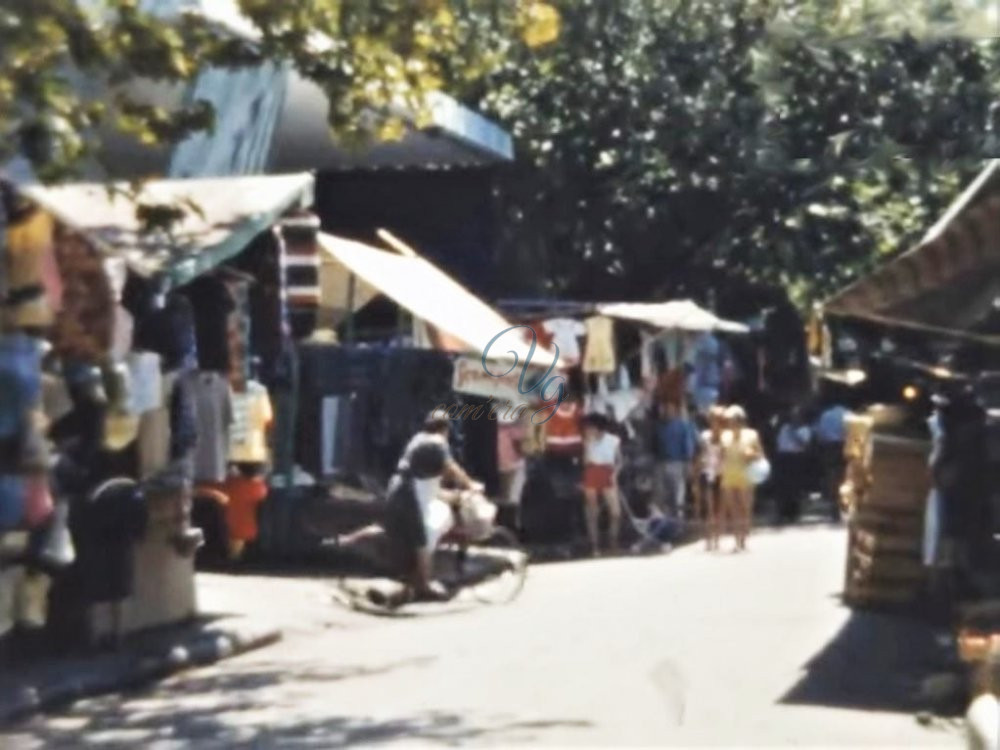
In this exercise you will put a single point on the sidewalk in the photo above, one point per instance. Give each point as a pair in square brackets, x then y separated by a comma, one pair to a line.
[40, 686]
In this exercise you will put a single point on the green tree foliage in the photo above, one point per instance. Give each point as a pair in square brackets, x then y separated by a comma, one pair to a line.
[791, 142]
[71, 67]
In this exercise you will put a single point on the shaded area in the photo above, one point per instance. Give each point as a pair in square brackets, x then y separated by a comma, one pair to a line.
[230, 709]
[877, 662]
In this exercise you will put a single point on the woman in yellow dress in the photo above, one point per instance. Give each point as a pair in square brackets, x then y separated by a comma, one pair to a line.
[740, 446]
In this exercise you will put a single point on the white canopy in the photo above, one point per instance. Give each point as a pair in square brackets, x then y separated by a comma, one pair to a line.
[432, 295]
[683, 315]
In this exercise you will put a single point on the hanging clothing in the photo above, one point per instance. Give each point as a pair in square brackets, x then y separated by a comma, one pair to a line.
[56, 399]
[154, 431]
[600, 348]
[183, 415]
[252, 414]
[168, 331]
[20, 381]
[564, 430]
[123, 327]
[245, 495]
[34, 287]
[146, 382]
[212, 303]
[84, 327]
[12, 496]
[214, 413]
[301, 264]
[566, 334]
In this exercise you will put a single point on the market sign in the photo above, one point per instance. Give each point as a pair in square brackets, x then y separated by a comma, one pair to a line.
[470, 377]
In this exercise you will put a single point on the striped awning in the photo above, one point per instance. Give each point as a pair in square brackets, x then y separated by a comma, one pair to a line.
[962, 246]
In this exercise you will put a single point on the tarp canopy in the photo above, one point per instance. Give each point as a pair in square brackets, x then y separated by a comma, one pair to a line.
[682, 315]
[220, 217]
[433, 296]
[949, 279]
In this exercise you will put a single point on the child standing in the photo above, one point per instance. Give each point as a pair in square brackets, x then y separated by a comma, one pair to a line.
[601, 459]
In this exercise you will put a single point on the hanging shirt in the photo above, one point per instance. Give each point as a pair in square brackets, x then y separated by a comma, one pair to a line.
[563, 430]
[214, 414]
[154, 431]
[566, 333]
[245, 495]
[707, 362]
[20, 381]
[252, 413]
[509, 437]
[146, 380]
[599, 356]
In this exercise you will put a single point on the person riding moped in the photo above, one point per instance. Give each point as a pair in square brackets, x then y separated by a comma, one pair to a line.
[419, 510]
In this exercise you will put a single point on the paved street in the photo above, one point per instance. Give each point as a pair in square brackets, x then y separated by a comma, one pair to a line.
[688, 649]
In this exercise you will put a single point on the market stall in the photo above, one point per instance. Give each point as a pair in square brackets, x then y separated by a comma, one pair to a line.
[133, 338]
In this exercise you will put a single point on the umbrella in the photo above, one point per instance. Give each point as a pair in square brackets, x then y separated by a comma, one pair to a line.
[682, 315]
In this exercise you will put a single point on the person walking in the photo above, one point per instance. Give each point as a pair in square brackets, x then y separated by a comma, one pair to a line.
[792, 446]
[740, 447]
[830, 435]
[677, 444]
[709, 462]
[601, 459]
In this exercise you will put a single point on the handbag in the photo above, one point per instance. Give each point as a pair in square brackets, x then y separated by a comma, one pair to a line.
[758, 470]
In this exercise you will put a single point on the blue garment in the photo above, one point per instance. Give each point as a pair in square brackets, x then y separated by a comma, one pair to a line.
[11, 502]
[20, 381]
[830, 427]
[676, 440]
[707, 362]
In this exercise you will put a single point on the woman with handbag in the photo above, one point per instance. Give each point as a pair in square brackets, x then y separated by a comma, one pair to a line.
[743, 466]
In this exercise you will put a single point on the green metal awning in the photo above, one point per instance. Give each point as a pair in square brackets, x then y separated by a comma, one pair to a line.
[221, 216]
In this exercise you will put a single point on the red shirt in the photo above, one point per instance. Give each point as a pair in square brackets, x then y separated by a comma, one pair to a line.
[564, 430]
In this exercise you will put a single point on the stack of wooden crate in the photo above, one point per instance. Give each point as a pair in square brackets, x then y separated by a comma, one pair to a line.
[884, 565]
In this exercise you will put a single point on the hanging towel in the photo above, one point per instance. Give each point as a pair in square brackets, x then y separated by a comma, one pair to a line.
[599, 356]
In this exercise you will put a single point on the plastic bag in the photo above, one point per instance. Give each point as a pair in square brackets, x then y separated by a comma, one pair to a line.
[758, 470]
[478, 515]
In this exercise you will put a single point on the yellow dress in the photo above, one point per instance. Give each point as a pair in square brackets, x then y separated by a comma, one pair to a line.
[734, 463]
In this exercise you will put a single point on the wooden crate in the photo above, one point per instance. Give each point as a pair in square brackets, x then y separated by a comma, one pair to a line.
[884, 565]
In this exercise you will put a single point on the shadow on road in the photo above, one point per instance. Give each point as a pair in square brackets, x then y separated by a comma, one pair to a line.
[876, 662]
[235, 709]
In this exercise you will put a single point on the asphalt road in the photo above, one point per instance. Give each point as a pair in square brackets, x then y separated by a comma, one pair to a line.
[687, 649]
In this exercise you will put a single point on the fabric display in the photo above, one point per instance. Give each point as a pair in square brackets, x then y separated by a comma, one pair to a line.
[56, 399]
[84, 327]
[239, 334]
[183, 416]
[566, 334]
[252, 414]
[20, 381]
[165, 326]
[146, 382]
[564, 430]
[121, 424]
[154, 430]
[599, 354]
[12, 496]
[214, 416]
[244, 495]
[32, 276]
[270, 331]
[301, 272]
[212, 303]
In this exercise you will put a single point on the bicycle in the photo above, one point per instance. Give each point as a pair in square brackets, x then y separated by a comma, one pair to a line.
[487, 560]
